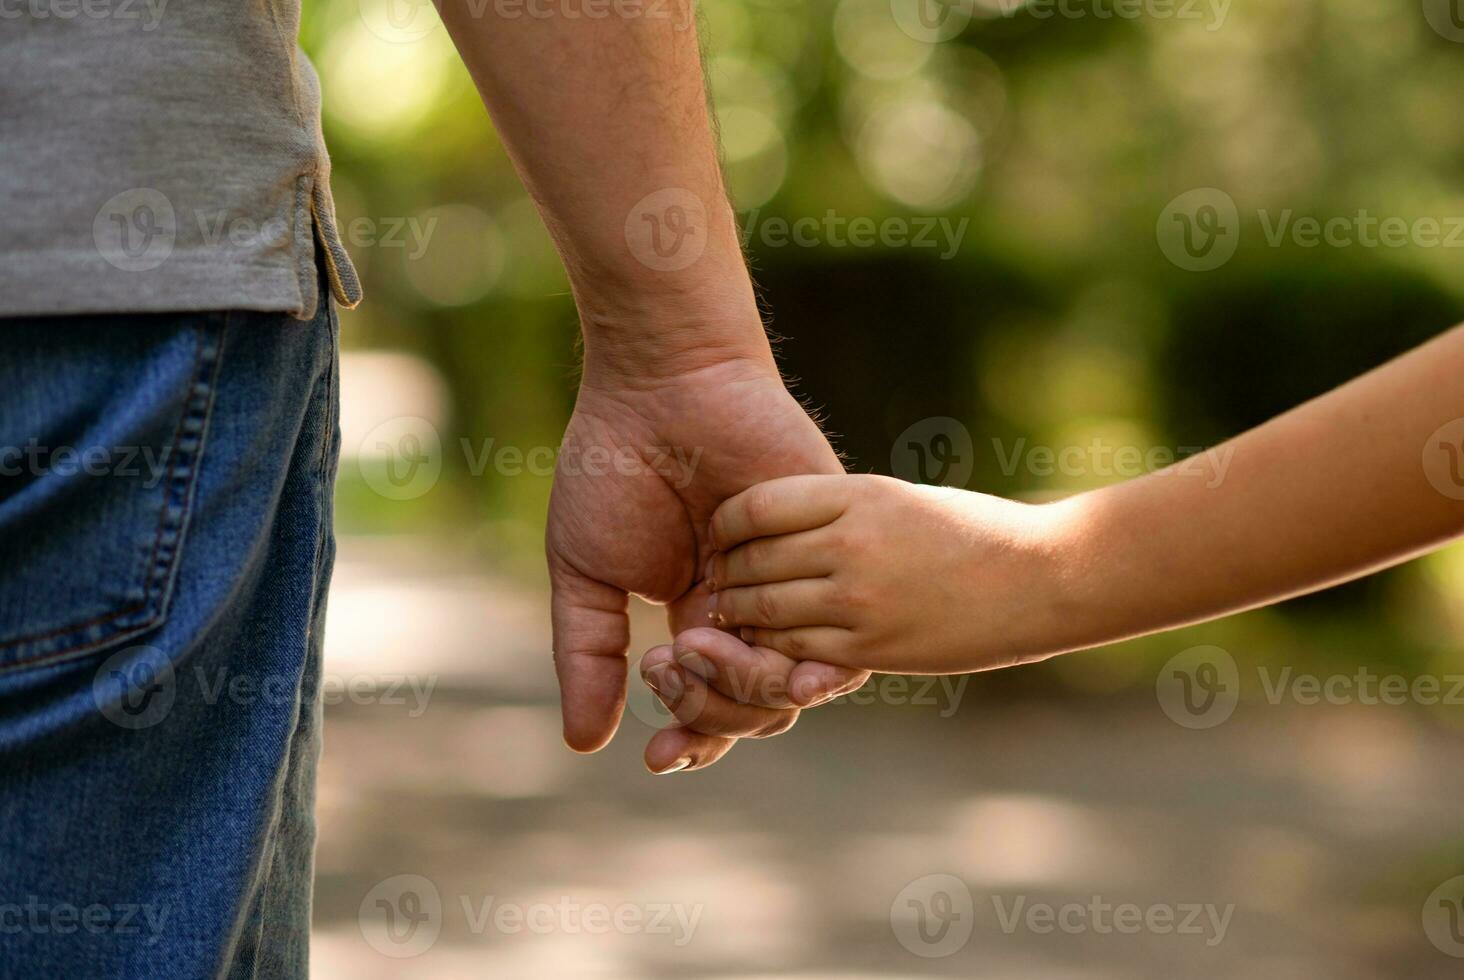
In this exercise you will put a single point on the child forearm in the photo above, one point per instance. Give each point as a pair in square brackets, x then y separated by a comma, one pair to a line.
[1336, 488]
[879, 574]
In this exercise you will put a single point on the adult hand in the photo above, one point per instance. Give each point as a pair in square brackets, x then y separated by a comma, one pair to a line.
[647, 458]
[607, 122]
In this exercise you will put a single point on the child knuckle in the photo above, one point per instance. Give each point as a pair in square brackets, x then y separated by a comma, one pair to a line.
[794, 645]
[849, 543]
[754, 558]
[759, 506]
[852, 596]
[718, 529]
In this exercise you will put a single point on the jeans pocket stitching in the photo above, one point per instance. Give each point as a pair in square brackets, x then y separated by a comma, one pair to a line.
[187, 442]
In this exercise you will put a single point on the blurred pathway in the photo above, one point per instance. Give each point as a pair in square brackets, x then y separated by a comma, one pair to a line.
[1324, 828]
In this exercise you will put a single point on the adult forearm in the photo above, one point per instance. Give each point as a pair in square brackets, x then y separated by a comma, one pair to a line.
[606, 119]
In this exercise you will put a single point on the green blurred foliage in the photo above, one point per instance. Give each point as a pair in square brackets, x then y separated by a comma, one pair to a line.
[1055, 317]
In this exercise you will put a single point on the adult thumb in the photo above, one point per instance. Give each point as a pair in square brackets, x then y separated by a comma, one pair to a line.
[591, 639]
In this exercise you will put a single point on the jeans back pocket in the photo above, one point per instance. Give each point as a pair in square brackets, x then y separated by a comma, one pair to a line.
[102, 426]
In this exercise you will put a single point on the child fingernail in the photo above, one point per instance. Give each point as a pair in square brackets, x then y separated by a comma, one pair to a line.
[696, 663]
[667, 682]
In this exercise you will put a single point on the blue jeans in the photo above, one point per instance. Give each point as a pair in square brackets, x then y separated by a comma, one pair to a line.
[165, 547]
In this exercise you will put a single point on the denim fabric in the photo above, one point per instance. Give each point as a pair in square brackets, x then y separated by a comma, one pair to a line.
[165, 546]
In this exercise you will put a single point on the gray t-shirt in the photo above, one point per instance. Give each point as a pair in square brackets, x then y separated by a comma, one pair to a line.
[161, 155]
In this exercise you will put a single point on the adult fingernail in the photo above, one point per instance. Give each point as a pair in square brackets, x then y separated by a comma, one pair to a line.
[708, 573]
[676, 766]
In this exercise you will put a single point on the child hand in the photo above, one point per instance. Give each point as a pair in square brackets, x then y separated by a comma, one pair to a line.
[875, 573]
[715, 684]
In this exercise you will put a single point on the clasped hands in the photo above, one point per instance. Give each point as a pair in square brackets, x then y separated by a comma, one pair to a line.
[617, 531]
